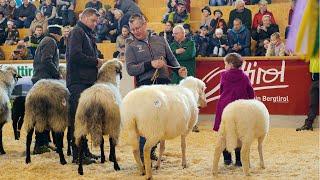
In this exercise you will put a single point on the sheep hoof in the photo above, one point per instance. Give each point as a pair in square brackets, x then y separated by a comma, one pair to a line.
[149, 178]
[157, 167]
[103, 159]
[2, 152]
[262, 167]
[116, 167]
[80, 171]
[184, 166]
[63, 162]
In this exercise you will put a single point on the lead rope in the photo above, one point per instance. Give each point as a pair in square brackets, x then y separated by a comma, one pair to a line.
[156, 73]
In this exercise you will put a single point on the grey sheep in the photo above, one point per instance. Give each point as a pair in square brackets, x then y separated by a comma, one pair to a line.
[46, 107]
[8, 78]
[98, 112]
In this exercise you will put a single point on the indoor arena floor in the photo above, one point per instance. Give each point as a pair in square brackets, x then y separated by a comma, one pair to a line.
[288, 155]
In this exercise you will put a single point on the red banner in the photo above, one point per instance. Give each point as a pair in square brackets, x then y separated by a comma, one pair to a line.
[282, 85]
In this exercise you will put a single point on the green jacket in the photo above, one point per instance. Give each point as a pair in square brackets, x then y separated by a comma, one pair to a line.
[314, 64]
[186, 59]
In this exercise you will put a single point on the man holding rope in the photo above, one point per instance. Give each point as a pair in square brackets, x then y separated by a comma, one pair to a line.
[148, 58]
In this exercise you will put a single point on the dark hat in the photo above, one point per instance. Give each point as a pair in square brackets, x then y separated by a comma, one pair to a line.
[204, 26]
[55, 29]
[217, 10]
[181, 2]
[206, 8]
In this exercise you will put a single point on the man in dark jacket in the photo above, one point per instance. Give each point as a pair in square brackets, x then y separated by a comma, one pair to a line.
[45, 65]
[25, 14]
[241, 13]
[239, 39]
[82, 68]
[128, 7]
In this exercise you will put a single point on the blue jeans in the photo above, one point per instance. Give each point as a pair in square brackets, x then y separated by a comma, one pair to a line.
[217, 2]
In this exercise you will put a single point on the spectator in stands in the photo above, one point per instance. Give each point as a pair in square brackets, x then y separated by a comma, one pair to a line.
[21, 53]
[276, 47]
[120, 43]
[218, 22]
[62, 44]
[206, 16]
[40, 20]
[3, 26]
[219, 42]
[25, 14]
[3, 5]
[202, 42]
[257, 19]
[167, 33]
[262, 33]
[239, 38]
[35, 39]
[12, 34]
[293, 2]
[119, 22]
[10, 10]
[241, 13]
[217, 2]
[49, 11]
[128, 7]
[53, 2]
[180, 15]
[188, 31]
[65, 10]
[103, 27]
[257, 1]
[95, 4]
[171, 6]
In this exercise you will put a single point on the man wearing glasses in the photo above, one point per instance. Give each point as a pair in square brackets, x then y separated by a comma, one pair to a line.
[148, 58]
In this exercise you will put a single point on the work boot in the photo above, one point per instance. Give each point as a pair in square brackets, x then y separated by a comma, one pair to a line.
[227, 157]
[305, 127]
[238, 157]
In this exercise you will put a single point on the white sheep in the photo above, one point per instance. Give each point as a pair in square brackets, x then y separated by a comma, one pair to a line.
[242, 121]
[8, 79]
[161, 112]
[46, 107]
[98, 112]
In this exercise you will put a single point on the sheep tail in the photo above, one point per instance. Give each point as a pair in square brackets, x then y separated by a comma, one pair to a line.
[95, 114]
[231, 133]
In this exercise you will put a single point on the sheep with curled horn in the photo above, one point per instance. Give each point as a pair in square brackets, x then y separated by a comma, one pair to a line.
[98, 112]
[46, 107]
[8, 78]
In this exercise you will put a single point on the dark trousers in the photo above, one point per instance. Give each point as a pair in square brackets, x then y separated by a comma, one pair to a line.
[75, 91]
[142, 140]
[314, 99]
[22, 24]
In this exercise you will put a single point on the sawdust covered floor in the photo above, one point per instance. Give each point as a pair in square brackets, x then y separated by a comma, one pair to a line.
[288, 155]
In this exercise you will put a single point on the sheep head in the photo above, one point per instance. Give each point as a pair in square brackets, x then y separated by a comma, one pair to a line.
[12, 71]
[8, 78]
[198, 88]
[110, 71]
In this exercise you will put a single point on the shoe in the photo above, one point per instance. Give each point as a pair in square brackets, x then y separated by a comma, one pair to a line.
[227, 162]
[305, 127]
[238, 163]
[40, 149]
[85, 161]
[195, 129]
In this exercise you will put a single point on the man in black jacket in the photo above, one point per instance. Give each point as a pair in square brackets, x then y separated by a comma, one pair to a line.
[45, 65]
[83, 62]
[25, 14]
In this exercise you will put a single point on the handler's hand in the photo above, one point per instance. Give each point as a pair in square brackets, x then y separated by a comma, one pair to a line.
[158, 63]
[183, 72]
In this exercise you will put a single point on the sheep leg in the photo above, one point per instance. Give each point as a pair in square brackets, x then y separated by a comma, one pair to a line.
[1, 145]
[220, 146]
[113, 154]
[80, 156]
[260, 141]
[161, 150]
[69, 140]
[59, 143]
[183, 148]
[245, 150]
[15, 127]
[103, 157]
[29, 139]
[147, 161]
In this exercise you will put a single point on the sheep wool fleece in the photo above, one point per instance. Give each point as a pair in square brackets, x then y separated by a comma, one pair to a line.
[234, 85]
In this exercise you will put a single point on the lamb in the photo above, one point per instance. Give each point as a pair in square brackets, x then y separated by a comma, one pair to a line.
[8, 78]
[98, 112]
[242, 121]
[46, 107]
[161, 112]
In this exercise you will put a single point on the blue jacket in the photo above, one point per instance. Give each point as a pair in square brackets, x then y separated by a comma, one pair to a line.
[241, 37]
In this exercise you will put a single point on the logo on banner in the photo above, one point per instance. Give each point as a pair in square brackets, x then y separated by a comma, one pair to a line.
[261, 79]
